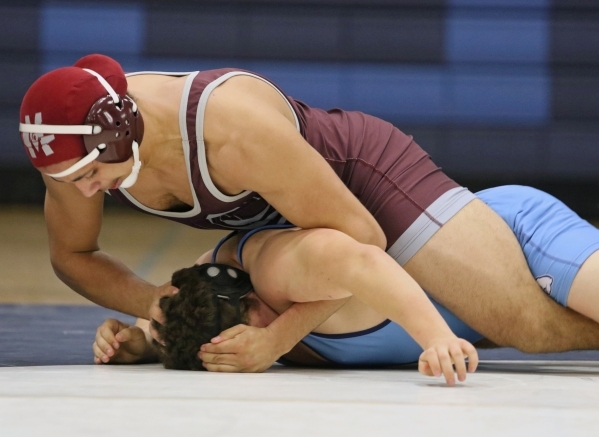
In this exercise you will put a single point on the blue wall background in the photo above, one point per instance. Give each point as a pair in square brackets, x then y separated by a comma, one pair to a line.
[493, 89]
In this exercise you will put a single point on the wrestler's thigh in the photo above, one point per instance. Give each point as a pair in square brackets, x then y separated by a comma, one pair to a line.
[559, 246]
[584, 293]
[475, 267]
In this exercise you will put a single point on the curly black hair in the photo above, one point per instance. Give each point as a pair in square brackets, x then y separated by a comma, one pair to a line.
[192, 319]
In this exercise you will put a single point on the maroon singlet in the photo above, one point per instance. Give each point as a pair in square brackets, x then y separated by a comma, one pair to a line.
[384, 168]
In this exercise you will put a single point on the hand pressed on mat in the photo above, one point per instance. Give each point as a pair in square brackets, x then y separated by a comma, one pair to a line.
[120, 343]
[441, 355]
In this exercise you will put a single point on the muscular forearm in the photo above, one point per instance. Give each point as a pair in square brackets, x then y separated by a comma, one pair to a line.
[106, 281]
[299, 320]
[377, 280]
[74, 224]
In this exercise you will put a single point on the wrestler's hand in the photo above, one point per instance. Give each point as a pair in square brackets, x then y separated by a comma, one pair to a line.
[119, 343]
[155, 312]
[443, 354]
[241, 348]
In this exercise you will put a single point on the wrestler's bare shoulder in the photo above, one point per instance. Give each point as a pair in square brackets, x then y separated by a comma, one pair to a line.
[245, 118]
[240, 88]
[154, 81]
[252, 89]
[158, 96]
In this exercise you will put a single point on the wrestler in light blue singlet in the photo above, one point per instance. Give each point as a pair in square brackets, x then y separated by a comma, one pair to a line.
[555, 241]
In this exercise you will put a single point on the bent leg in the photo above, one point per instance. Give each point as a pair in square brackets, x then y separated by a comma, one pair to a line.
[561, 249]
[475, 267]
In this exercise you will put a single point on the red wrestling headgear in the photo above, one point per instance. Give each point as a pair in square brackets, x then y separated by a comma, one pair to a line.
[82, 112]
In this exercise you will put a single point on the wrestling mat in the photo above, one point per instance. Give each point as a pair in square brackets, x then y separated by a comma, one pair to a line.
[49, 386]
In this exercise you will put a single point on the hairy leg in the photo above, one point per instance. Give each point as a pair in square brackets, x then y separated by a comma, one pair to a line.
[584, 293]
[475, 267]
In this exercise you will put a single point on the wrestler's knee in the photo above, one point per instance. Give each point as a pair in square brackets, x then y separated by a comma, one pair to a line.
[530, 336]
[531, 329]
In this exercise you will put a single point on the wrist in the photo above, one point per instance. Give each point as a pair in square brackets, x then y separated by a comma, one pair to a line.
[152, 299]
[432, 341]
[281, 343]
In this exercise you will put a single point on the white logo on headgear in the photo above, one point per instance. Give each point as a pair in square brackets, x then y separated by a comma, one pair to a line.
[35, 141]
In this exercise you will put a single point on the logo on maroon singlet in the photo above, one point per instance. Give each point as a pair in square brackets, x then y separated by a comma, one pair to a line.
[252, 214]
[545, 282]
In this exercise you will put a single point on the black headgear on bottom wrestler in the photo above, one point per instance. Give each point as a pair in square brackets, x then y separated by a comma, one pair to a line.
[211, 299]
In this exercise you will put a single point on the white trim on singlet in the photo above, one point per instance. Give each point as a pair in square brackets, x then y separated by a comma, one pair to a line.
[163, 73]
[185, 143]
[200, 140]
[423, 228]
[200, 132]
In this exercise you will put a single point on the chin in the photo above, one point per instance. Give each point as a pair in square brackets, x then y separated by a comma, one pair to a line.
[115, 184]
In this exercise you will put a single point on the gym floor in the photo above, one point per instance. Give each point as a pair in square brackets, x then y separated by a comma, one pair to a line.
[49, 385]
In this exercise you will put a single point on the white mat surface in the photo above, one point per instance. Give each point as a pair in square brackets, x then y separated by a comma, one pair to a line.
[503, 399]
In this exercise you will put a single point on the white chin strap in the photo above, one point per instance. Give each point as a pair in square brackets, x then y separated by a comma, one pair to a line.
[90, 157]
[132, 178]
[127, 182]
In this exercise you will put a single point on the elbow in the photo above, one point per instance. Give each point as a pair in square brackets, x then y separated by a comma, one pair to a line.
[374, 236]
[364, 261]
[64, 263]
[60, 264]
[370, 232]
[355, 263]
[57, 260]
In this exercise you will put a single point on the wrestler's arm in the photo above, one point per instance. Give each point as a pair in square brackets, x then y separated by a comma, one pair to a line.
[74, 223]
[322, 264]
[253, 146]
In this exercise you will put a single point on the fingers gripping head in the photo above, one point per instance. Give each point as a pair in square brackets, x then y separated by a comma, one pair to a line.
[78, 112]
[211, 298]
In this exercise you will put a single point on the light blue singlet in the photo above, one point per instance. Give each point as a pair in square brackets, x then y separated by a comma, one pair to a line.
[555, 242]
[554, 239]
